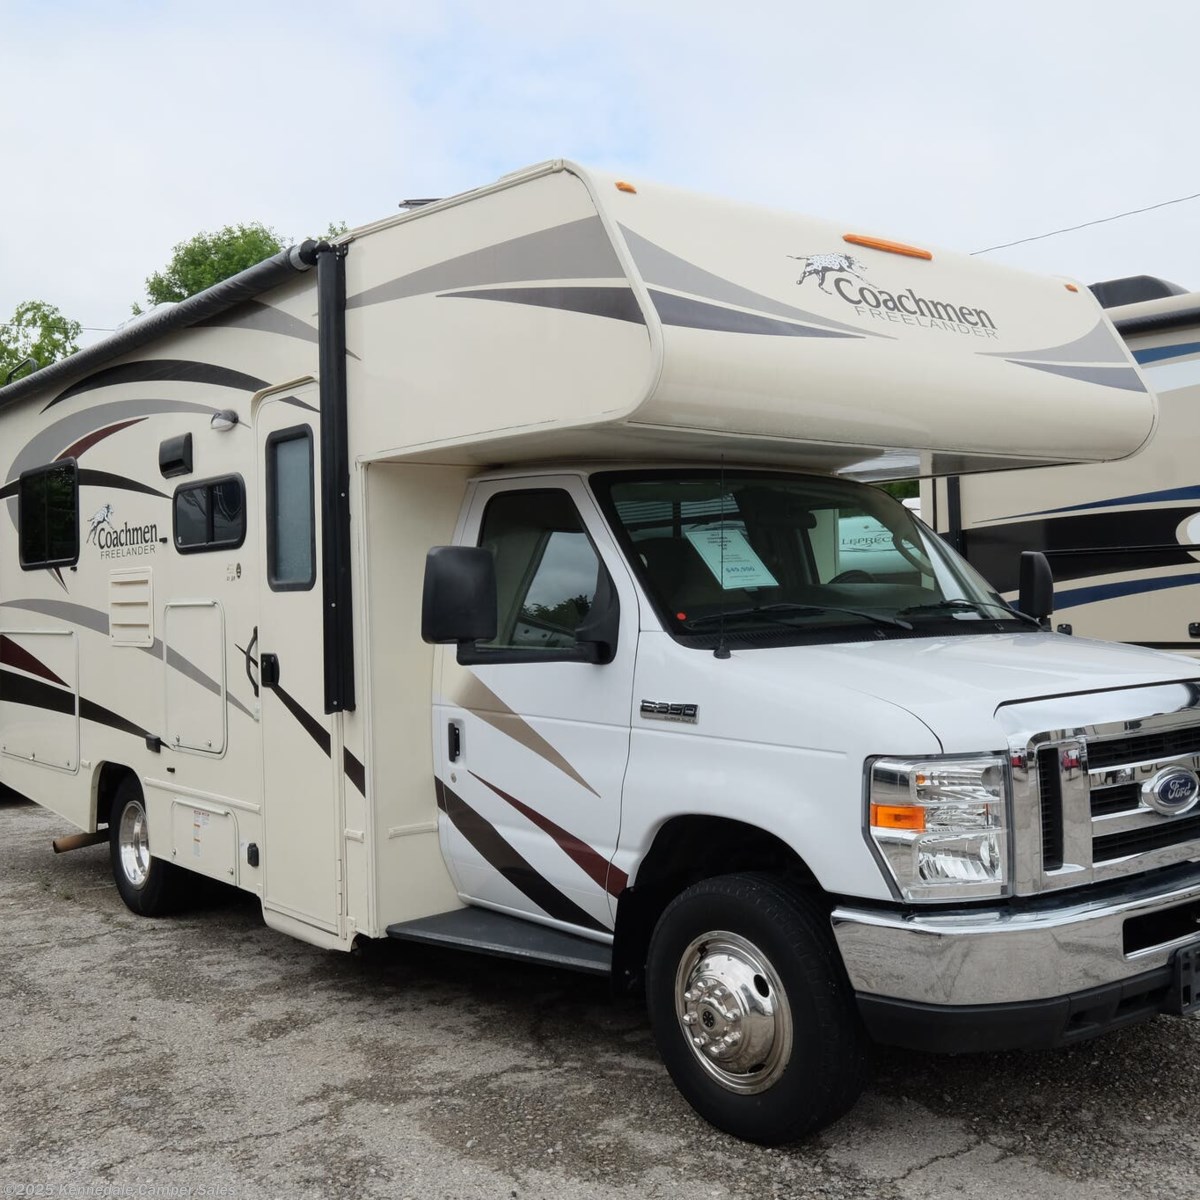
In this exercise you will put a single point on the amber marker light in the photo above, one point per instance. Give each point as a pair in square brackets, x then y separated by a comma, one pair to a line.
[622, 186]
[1070, 287]
[898, 816]
[857, 239]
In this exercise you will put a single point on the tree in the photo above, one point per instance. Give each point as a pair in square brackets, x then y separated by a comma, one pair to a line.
[39, 331]
[208, 258]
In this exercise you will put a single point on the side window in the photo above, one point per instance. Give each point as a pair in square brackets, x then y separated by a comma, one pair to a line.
[48, 516]
[291, 523]
[210, 515]
[546, 570]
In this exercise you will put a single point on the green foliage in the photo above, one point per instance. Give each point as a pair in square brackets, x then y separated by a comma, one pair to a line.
[39, 331]
[903, 489]
[566, 614]
[209, 258]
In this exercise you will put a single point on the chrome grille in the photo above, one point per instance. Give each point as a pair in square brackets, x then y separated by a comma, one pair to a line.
[1080, 815]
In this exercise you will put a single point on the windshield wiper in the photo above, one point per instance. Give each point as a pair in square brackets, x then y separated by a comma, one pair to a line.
[976, 606]
[780, 612]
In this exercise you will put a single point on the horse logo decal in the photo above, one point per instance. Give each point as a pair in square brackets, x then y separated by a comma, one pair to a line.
[817, 266]
[99, 519]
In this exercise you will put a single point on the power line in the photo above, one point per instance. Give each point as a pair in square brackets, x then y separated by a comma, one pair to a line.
[1133, 212]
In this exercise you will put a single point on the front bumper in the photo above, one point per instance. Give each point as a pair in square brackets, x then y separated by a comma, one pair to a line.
[1039, 974]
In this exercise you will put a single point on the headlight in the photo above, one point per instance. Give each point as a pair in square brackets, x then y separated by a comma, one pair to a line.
[941, 825]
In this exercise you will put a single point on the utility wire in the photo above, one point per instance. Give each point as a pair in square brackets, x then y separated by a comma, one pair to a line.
[1102, 220]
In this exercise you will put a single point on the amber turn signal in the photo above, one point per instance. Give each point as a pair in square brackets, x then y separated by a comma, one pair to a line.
[898, 816]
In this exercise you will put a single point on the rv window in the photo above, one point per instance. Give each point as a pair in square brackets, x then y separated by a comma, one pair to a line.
[210, 515]
[48, 516]
[546, 570]
[291, 522]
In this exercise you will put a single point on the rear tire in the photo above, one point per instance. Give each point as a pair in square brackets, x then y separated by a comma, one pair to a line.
[149, 886]
[751, 1008]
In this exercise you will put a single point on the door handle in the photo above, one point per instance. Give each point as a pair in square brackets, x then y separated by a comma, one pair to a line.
[268, 670]
[454, 741]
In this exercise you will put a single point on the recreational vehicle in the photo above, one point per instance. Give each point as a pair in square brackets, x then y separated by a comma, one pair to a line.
[496, 575]
[1123, 538]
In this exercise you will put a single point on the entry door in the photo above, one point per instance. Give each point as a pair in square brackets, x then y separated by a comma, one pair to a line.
[532, 743]
[300, 797]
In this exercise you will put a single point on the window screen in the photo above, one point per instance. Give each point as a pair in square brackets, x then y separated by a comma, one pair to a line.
[48, 516]
[210, 515]
[291, 549]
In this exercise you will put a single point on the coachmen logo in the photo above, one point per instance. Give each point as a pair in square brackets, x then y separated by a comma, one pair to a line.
[900, 308]
[1172, 791]
[124, 541]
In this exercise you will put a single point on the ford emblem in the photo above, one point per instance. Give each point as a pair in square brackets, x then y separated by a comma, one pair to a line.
[1171, 792]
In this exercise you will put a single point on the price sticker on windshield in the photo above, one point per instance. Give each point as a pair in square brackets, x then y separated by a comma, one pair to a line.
[731, 558]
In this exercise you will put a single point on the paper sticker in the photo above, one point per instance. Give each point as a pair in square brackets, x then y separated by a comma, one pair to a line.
[727, 553]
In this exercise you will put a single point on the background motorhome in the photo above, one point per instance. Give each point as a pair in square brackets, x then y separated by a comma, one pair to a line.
[1122, 538]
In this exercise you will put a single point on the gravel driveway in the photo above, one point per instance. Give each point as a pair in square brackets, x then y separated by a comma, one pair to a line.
[208, 1055]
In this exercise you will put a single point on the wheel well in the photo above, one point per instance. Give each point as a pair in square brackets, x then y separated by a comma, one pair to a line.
[685, 851]
[108, 779]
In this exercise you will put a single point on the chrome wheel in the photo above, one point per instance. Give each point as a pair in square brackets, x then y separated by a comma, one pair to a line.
[733, 1012]
[133, 842]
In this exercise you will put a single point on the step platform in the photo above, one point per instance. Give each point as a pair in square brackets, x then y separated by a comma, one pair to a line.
[502, 936]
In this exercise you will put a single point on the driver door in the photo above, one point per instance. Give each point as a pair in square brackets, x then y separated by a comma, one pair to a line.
[532, 739]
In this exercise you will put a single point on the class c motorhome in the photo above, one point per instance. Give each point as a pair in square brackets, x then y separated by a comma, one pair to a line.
[1122, 538]
[496, 576]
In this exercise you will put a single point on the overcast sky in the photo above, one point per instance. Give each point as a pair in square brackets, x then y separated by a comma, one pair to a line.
[128, 125]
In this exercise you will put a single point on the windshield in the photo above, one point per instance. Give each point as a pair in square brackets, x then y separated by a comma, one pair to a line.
[761, 553]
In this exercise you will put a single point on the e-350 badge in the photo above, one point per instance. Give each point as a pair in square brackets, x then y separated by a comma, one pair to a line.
[661, 710]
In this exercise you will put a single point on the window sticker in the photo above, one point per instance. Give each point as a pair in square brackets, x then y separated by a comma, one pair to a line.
[730, 557]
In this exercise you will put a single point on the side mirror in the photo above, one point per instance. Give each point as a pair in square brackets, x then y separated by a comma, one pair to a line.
[597, 632]
[1036, 595]
[459, 602]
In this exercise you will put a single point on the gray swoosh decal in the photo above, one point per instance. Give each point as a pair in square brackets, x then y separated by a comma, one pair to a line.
[1119, 377]
[577, 250]
[618, 303]
[695, 314]
[264, 317]
[46, 445]
[662, 268]
[1099, 345]
[97, 621]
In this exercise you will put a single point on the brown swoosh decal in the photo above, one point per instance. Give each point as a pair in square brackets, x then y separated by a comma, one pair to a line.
[86, 443]
[475, 696]
[487, 842]
[12, 655]
[592, 863]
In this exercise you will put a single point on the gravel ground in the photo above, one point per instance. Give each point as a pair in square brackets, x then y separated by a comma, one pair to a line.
[206, 1052]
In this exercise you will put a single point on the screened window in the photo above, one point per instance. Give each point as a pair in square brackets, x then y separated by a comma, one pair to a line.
[210, 515]
[291, 534]
[546, 570]
[48, 516]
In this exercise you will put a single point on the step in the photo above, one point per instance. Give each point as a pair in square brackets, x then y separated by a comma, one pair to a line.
[494, 933]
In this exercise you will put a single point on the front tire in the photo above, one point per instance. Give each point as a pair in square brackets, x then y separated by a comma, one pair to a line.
[149, 886]
[751, 1008]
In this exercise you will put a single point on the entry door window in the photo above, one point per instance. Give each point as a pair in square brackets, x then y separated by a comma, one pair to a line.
[291, 521]
[546, 572]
